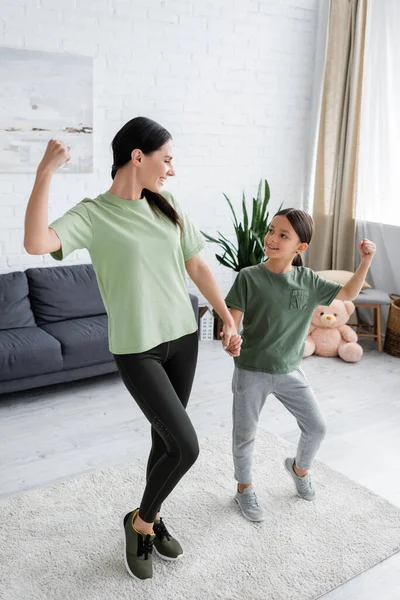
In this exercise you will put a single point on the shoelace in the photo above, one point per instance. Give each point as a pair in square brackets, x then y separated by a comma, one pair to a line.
[251, 499]
[145, 546]
[161, 531]
[305, 483]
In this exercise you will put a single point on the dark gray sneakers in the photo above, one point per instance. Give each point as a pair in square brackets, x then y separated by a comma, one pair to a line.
[138, 549]
[165, 545]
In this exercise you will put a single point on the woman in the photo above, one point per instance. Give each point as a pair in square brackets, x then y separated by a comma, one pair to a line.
[141, 243]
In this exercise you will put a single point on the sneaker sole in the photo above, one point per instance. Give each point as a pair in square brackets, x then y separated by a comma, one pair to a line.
[297, 491]
[125, 561]
[163, 557]
[246, 516]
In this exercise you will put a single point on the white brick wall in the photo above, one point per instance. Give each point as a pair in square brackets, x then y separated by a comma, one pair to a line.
[231, 80]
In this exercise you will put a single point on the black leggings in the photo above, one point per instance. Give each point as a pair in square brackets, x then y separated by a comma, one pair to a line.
[160, 380]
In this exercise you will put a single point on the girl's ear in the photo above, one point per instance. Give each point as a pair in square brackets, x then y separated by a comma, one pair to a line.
[302, 248]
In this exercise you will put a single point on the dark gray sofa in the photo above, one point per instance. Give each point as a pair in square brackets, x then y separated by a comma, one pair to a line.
[53, 327]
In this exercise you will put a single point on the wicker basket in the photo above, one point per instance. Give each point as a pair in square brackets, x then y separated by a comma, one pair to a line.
[392, 337]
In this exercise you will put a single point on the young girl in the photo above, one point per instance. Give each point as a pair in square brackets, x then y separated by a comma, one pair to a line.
[278, 298]
[142, 245]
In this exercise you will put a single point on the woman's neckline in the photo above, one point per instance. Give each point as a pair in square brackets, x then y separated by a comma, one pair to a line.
[122, 201]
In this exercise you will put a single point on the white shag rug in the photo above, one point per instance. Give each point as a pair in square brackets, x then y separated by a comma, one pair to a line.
[64, 542]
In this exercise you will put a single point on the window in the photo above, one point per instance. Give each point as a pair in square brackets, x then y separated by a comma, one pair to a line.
[378, 187]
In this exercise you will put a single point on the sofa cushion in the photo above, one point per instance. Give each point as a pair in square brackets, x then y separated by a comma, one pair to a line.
[83, 341]
[62, 293]
[15, 308]
[27, 352]
[372, 296]
[341, 277]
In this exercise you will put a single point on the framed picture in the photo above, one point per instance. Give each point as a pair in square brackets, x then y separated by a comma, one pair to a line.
[45, 95]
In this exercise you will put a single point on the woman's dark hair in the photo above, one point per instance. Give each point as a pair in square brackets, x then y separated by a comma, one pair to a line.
[303, 225]
[148, 136]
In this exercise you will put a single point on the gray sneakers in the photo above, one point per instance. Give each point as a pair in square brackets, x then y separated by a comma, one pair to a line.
[303, 485]
[249, 505]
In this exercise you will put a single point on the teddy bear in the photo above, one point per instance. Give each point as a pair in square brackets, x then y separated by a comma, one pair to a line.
[330, 336]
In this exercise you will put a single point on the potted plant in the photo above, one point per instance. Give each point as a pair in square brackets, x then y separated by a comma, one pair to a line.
[249, 249]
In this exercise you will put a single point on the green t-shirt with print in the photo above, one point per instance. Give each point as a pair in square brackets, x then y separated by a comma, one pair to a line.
[139, 260]
[277, 311]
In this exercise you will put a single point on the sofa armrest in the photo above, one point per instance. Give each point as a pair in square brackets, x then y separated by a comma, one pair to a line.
[195, 305]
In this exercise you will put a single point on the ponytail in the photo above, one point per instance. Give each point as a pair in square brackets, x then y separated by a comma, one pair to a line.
[298, 261]
[162, 207]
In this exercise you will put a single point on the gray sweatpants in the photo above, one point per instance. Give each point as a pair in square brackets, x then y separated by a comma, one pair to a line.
[250, 390]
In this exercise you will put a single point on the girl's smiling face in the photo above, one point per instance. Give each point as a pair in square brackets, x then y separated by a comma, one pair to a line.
[281, 240]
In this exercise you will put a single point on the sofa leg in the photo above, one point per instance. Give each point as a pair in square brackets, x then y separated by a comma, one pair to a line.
[379, 327]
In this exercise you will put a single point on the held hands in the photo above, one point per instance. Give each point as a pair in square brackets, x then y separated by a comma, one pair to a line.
[367, 250]
[56, 155]
[231, 340]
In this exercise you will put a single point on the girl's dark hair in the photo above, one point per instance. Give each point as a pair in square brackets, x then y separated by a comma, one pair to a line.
[148, 136]
[303, 225]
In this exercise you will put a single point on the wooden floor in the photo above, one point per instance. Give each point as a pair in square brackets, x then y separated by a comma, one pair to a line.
[55, 433]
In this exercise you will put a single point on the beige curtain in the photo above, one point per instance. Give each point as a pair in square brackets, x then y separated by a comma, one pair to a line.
[333, 245]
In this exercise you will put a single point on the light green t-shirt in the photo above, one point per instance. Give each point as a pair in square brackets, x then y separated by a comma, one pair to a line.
[139, 261]
[277, 314]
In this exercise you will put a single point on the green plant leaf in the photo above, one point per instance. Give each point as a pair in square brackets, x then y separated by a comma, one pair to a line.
[233, 212]
[231, 244]
[245, 215]
[267, 196]
[260, 243]
[231, 252]
[225, 263]
[249, 248]
[225, 244]
[209, 238]
[260, 192]
[256, 214]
